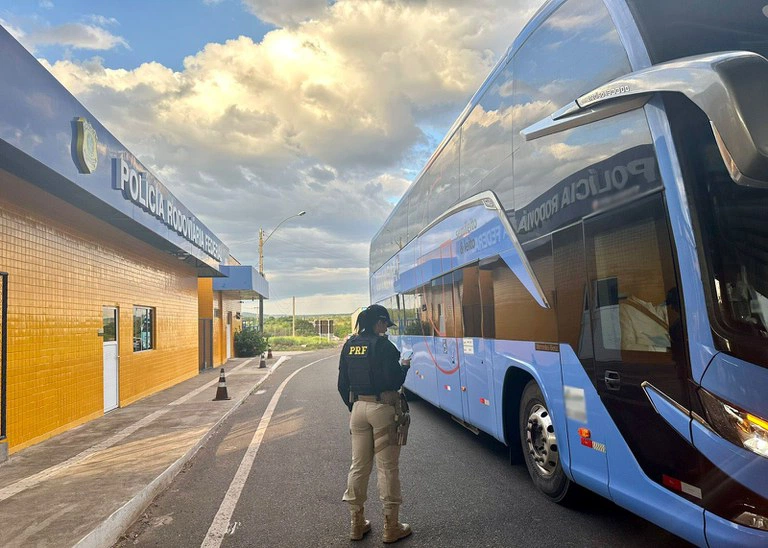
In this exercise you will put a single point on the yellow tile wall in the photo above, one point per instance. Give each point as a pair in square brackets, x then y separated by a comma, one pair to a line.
[205, 298]
[63, 266]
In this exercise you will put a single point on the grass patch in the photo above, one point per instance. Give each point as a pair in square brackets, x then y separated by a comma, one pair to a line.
[301, 343]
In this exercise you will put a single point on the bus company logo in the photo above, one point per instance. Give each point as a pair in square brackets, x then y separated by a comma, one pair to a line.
[606, 93]
[488, 238]
[466, 228]
[467, 245]
[85, 146]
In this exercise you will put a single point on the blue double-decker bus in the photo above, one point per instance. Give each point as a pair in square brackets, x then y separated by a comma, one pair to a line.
[581, 268]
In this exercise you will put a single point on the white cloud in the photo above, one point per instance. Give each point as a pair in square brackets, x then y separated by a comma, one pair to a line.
[325, 116]
[102, 20]
[286, 12]
[13, 30]
[74, 35]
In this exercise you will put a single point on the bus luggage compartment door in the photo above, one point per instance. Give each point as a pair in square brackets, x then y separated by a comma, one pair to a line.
[476, 384]
[448, 376]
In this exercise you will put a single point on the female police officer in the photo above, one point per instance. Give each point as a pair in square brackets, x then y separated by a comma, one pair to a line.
[369, 376]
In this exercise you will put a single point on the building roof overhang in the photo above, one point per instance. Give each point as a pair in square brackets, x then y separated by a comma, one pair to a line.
[242, 282]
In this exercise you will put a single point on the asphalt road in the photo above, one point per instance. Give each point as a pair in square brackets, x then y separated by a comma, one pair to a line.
[458, 488]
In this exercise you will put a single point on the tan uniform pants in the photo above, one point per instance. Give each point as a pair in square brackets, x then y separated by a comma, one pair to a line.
[370, 424]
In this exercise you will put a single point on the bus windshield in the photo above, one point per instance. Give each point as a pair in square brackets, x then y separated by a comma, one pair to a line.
[730, 217]
[672, 30]
[733, 237]
[739, 257]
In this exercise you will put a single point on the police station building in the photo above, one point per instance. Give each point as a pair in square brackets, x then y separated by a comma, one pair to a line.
[112, 289]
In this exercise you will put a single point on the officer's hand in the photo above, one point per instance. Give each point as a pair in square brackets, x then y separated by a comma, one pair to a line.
[406, 362]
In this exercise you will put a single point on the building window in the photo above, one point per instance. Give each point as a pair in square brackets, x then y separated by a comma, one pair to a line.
[143, 328]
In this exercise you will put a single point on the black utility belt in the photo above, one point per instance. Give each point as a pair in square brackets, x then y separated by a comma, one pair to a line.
[389, 397]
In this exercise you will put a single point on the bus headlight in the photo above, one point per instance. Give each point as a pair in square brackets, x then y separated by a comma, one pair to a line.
[735, 425]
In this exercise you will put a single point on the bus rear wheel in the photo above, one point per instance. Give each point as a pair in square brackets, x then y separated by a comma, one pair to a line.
[540, 447]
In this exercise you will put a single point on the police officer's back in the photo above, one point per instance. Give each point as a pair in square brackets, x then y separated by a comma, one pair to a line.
[369, 376]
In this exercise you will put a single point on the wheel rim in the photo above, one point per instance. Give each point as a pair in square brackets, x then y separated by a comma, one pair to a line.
[541, 440]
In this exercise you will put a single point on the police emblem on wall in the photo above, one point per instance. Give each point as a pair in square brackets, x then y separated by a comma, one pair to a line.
[84, 146]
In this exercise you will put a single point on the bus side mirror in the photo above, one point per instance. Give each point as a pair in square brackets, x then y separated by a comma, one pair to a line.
[729, 87]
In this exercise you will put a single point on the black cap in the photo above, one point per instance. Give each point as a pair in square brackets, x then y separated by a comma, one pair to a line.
[379, 312]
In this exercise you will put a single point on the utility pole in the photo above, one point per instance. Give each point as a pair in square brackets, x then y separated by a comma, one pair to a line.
[261, 272]
[293, 326]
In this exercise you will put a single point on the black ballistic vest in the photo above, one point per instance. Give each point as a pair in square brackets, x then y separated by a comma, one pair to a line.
[360, 354]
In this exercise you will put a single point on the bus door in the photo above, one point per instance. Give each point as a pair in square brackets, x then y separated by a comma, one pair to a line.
[471, 285]
[586, 420]
[638, 337]
[445, 345]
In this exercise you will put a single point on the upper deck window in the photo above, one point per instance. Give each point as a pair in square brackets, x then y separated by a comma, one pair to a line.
[574, 50]
[679, 29]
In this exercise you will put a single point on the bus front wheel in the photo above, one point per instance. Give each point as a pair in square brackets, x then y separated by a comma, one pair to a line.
[540, 446]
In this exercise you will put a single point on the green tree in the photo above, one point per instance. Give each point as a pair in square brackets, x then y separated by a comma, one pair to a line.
[305, 328]
[249, 342]
[342, 325]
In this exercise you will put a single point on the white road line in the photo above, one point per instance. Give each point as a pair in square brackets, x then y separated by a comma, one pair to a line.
[31, 481]
[278, 362]
[220, 524]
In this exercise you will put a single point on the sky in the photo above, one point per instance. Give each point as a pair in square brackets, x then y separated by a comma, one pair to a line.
[251, 111]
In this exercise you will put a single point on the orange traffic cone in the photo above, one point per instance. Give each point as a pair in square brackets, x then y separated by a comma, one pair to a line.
[262, 362]
[221, 391]
[269, 352]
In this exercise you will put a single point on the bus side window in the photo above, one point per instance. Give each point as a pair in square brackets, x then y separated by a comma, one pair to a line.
[572, 303]
[488, 325]
[561, 178]
[392, 305]
[458, 295]
[471, 308]
[632, 281]
[443, 315]
[517, 315]
[410, 314]
[444, 179]
[425, 327]
[486, 136]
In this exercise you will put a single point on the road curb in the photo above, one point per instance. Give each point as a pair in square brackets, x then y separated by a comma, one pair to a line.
[111, 529]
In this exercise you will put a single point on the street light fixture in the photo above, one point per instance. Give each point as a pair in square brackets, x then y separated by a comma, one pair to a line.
[262, 241]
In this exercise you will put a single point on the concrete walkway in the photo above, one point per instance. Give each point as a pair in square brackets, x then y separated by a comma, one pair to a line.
[86, 486]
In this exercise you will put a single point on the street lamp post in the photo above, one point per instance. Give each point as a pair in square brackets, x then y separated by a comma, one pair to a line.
[262, 241]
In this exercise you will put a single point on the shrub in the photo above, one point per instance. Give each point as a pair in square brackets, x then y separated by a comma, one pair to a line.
[249, 342]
